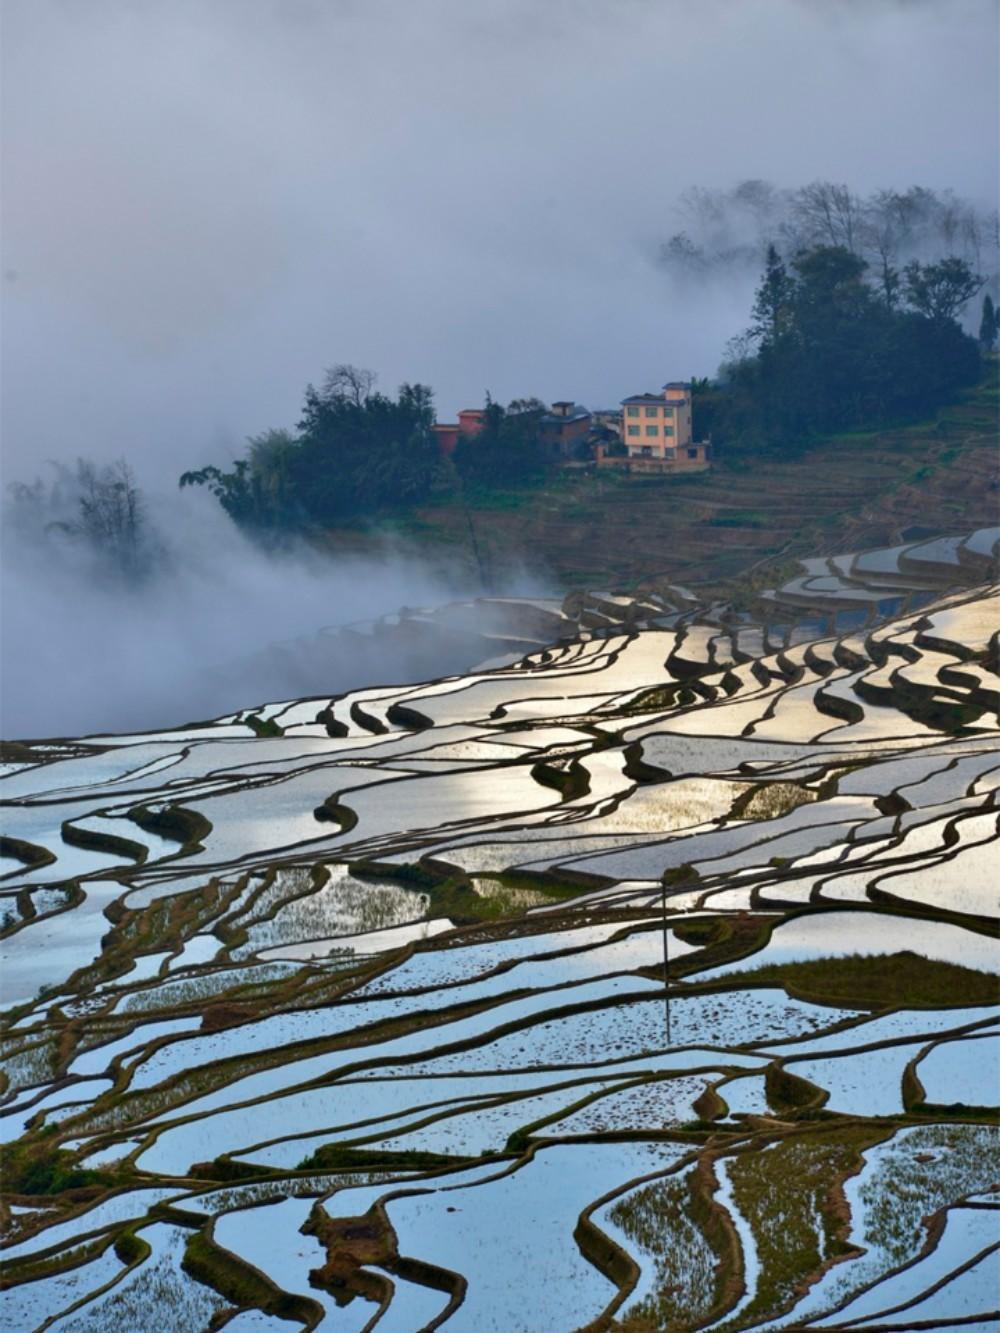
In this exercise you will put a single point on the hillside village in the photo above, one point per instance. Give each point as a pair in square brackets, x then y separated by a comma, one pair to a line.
[649, 432]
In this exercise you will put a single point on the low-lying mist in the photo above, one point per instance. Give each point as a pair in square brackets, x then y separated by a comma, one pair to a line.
[190, 633]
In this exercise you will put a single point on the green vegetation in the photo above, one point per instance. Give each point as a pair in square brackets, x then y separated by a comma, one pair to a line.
[188, 827]
[847, 491]
[360, 452]
[660, 1221]
[925, 1170]
[701, 931]
[264, 727]
[242, 1285]
[333, 1157]
[38, 1168]
[768, 800]
[878, 981]
[826, 352]
[507, 451]
[788, 1194]
[30, 856]
[357, 451]
[788, 1094]
[130, 1248]
[454, 894]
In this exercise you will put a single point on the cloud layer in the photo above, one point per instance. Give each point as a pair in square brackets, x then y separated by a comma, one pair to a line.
[207, 204]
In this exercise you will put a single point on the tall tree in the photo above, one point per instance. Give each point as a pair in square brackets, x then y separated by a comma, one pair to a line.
[828, 214]
[112, 511]
[351, 382]
[989, 326]
[941, 291]
[773, 301]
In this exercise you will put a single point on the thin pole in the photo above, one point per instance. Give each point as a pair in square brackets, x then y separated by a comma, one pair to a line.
[666, 958]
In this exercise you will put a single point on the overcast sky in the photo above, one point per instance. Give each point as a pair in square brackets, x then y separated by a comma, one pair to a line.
[208, 201]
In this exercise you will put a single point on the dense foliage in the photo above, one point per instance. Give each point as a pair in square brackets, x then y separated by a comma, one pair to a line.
[357, 451]
[828, 351]
[360, 452]
[507, 448]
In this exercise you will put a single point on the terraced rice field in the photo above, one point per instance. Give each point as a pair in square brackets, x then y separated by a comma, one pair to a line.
[644, 982]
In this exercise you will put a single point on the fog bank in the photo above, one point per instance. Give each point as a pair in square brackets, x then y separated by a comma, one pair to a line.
[85, 651]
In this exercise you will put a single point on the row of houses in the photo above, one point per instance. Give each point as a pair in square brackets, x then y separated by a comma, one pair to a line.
[650, 432]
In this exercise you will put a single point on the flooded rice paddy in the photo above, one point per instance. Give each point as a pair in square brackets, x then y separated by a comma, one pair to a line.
[648, 982]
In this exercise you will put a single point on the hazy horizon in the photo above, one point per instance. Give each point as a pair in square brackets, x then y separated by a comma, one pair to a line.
[205, 205]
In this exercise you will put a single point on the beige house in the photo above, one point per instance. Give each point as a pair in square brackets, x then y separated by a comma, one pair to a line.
[658, 427]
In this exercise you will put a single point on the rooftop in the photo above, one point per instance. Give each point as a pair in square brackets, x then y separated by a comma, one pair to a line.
[578, 414]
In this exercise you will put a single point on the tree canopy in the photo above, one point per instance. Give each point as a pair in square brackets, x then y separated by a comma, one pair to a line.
[358, 452]
[826, 351]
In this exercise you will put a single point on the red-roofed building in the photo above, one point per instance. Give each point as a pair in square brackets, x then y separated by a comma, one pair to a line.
[470, 422]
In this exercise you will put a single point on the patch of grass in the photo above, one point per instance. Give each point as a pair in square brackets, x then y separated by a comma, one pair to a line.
[242, 1285]
[703, 931]
[739, 518]
[333, 1157]
[659, 1221]
[263, 727]
[878, 982]
[36, 1168]
[788, 1195]
[768, 800]
[787, 1093]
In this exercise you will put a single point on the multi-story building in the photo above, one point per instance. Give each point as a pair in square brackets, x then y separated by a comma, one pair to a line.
[658, 427]
[470, 422]
[563, 430]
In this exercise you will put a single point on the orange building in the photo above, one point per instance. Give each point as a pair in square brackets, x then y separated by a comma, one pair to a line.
[658, 428]
[470, 422]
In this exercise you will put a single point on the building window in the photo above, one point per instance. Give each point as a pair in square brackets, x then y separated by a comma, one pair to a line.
[632, 411]
[633, 430]
[668, 430]
[692, 453]
[651, 411]
[652, 430]
[671, 453]
[647, 451]
[669, 411]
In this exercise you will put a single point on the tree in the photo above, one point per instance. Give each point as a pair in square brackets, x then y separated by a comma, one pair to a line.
[989, 326]
[885, 229]
[507, 450]
[828, 214]
[235, 491]
[772, 303]
[100, 508]
[351, 382]
[760, 201]
[824, 353]
[941, 291]
[271, 456]
[681, 254]
[111, 512]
